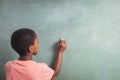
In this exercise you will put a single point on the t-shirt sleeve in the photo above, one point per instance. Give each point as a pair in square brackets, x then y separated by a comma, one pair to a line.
[7, 71]
[45, 71]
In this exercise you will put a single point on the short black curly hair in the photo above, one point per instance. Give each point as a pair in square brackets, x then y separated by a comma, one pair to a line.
[21, 39]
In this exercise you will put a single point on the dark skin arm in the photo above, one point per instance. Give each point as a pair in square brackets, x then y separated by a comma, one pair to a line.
[60, 50]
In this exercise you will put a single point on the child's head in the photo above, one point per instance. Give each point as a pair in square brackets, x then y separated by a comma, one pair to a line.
[24, 41]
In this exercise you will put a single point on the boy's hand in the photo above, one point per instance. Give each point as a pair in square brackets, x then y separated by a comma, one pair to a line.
[60, 49]
[62, 45]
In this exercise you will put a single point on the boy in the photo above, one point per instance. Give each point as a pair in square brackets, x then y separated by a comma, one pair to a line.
[25, 42]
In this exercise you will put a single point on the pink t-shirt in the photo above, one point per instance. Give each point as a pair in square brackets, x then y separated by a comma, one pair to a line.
[27, 70]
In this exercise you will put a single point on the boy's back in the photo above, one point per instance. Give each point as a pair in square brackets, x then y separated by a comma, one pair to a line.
[27, 70]
[25, 43]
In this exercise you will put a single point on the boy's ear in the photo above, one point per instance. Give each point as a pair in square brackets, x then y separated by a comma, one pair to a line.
[31, 48]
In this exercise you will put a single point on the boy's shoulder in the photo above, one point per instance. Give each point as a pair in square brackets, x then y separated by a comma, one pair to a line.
[28, 62]
[8, 63]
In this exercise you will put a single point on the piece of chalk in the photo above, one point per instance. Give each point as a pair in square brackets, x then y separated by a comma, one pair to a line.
[61, 39]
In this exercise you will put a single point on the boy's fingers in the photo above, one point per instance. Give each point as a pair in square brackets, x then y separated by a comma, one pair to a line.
[58, 44]
[64, 41]
[61, 42]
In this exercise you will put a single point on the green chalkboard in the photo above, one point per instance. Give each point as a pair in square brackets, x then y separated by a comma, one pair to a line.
[90, 27]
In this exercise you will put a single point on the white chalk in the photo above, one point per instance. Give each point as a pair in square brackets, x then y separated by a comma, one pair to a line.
[61, 39]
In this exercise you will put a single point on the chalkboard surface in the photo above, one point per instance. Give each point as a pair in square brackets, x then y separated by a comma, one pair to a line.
[90, 27]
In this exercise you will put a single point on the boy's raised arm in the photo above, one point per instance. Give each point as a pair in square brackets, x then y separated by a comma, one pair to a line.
[60, 50]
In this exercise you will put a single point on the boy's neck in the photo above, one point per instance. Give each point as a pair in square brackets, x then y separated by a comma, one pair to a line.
[25, 57]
